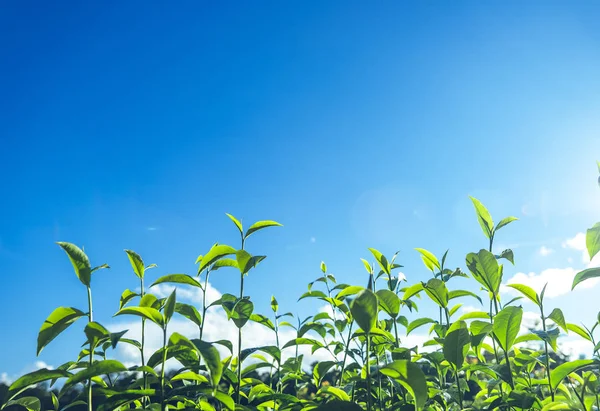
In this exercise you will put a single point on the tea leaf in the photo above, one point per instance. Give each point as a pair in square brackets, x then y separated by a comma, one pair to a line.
[505, 222]
[177, 279]
[562, 371]
[237, 223]
[389, 302]
[592, 240]
[456, 344]
[411, 377]
[215, 253]
[527, 292]
[418, 323]
[484, 217]
[212, 359]
[585, 275]
[559, 319]
[98, 368]
[56, 323]
[506, 326]
[80, 261]
[34, 378]
[259, 225]
[430, 260]
[190, 312]
[148, 313]
[364, 310]
[136, 263]
[170, 306]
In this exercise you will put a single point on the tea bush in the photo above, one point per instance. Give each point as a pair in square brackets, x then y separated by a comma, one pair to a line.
[476, 361]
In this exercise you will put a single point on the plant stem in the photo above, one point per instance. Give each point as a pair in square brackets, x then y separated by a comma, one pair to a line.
[547, 356]
[162, 371]
[345, 353]
[367, 354]
[145, 399]
[90, 319]
[239, 369]
[460, 399]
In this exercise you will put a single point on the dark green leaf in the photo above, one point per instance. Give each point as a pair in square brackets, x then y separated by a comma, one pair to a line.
[456, 344]
[212, 359]
[98, 368]
[559, 319]
[364, 310]
[389, 301]
[34, 378]
[190, 312]
[170, 306]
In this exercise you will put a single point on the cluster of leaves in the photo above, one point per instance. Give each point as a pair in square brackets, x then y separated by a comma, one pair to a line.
[474, 361]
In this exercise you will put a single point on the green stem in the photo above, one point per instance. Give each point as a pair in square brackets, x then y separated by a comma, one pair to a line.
[512, 383]
[346, 353]
[90, 319]
[460, 397]
[162, 371]
[367, 354]
[546, 352]
[145, 399]
[239, 368]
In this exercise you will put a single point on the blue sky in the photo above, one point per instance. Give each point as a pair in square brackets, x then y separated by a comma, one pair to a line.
[138, 125]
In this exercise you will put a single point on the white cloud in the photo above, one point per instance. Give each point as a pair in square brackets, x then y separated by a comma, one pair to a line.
[559, 280]
[545, 251]
[4, 379]
[575, 347]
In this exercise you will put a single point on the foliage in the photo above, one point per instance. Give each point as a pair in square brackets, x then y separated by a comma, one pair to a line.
[477, 361]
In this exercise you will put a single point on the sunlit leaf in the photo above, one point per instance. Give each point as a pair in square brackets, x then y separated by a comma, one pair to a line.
[430, 260]
[80, 261]
[56, 323]
[136, 263]
[484, 217]
[259, 225]
[364, 309]
[411, 377]
[506, 326]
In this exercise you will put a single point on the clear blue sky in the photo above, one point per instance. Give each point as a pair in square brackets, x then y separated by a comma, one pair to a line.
[138, 125]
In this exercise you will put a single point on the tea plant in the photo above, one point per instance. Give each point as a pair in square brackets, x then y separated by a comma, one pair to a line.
[473, 361]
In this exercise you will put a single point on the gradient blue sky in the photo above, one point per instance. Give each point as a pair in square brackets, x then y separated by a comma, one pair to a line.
[139, 125]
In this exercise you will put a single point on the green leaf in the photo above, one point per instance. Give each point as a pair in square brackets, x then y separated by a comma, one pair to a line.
[98, 368]
[34, 378]
[261, 319]
[527, 292]
[592, 240]
[127, 296]
[190, 376]
[484, 217]
[430, 260]
[338, 405]
[178, 279]
[274, 304]
[579, 331]
[508, 255]
[190, 312]
[148, 313]
[412, 290]
[559, 319]
[456, 344]
[212, 359]
[549, 336]
[506, 326]
[241, 312]
[323, 267]
[474, 314]
[259, 225]
[136, 263]
[336, 392]
[504, 222]
[381, 260]
[463, 293]
[389, 301]
[246, 262]
[170, 306]
[562, 371]
[215, 253]
[95, 332]
[437, 291]
[56, 323]
[80, 261]
[411, 377]
[29, 403]
[364, 310]
[585, 275]
[350, 290]
[485, 270]
[237, 223]
[418, 323]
